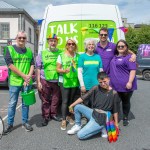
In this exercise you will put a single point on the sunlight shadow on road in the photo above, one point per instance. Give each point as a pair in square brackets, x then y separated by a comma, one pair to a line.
[36, 119]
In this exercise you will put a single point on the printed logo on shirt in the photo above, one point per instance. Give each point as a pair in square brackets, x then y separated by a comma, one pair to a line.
[91, 62]
[21, 60]
[108, 50]
[120, 59]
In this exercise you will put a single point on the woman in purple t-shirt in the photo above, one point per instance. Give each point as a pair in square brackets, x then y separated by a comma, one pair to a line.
[123, 77]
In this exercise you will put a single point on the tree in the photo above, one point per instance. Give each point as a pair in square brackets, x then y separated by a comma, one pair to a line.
[135, 37]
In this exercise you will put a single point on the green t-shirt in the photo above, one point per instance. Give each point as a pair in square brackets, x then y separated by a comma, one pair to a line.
[70, 79]
[22, 62]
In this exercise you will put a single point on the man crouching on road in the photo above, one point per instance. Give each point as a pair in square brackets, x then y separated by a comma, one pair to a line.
[21, 66]
[101, 98]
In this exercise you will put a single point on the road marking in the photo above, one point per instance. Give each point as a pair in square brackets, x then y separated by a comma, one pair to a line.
[16, 108]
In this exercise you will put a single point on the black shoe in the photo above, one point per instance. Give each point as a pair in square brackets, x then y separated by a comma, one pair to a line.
[56, 118]
[8, 129]
[27, 127]
[125, 121]
[45, 122]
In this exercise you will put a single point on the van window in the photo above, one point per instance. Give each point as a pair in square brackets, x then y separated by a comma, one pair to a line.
[79, 30]
[144, 51]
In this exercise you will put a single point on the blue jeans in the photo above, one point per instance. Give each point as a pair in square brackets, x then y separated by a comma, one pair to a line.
[92, 127]
[14, 94]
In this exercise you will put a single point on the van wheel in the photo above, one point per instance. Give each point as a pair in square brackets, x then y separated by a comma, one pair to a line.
[146, 75]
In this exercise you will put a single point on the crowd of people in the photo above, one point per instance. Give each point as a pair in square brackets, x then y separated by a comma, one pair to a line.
[105, 75]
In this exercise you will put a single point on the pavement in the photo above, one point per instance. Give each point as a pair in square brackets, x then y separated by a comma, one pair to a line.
[136, 136]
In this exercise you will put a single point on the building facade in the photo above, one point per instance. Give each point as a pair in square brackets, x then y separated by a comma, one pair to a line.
[12, 20]
[126, 24]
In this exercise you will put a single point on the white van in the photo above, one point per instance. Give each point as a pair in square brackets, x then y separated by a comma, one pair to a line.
[79, 21]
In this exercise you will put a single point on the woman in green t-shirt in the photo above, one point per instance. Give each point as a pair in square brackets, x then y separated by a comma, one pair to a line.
[67, 64]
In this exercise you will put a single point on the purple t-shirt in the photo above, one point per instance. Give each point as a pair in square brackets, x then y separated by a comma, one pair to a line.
[120, 68]
[106, 54]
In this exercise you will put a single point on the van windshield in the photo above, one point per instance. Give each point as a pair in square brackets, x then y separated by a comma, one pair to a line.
[144, 51]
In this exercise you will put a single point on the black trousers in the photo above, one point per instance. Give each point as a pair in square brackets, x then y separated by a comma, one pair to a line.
[125, 98]
[69, 95]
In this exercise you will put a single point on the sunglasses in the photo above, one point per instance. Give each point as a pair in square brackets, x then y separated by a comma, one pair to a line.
[103, 34]
[73, 44]
[21, 38]
[121, 46]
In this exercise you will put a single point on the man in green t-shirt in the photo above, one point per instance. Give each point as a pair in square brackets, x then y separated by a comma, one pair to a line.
[47, 80]
[21, 66]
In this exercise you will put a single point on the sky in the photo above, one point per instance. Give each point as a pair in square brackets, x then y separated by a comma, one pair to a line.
[136, 11]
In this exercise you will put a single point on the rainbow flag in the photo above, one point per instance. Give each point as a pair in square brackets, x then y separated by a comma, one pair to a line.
[73, 65]
[111, 130]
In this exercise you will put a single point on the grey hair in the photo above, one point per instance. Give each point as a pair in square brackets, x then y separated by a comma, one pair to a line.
[88, 40]
[22, 32]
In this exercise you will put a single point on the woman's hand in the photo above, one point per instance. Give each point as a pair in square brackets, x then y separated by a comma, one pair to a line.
[66, 70]
[129, 85]
[83, 89]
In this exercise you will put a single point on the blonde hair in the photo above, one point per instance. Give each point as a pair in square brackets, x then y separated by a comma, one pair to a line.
[72, 40]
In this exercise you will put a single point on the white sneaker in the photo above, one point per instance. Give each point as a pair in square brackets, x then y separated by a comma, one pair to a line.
[74, 129]
[104, 133]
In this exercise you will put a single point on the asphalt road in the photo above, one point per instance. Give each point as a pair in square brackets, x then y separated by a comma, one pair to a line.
[134, 137]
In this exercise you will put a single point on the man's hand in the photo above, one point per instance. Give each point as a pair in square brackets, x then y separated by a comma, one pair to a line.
[21, 74]
[71, 109]
[129, 85]
[133, 58]
[26, 78]
[25, 84]
[39, 86]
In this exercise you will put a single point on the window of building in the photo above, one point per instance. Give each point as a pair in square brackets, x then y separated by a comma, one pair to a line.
[4, 30]
[2, 46]
[29, 33]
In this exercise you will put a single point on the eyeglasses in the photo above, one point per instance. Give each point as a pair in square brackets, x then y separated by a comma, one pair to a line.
[103, 34]
[121, 46]
[73, 44]
[21, 38]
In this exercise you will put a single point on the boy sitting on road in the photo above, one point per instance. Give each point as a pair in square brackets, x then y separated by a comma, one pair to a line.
[101, 99]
